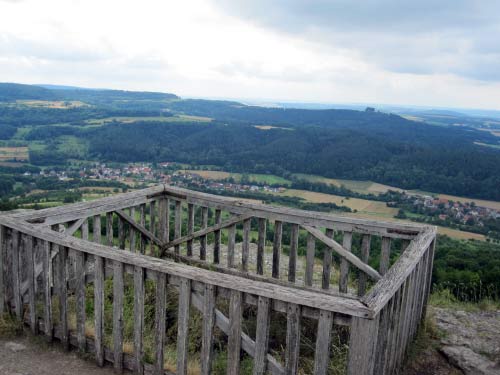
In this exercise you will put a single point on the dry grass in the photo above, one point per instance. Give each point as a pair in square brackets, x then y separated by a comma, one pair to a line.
[479, 202]
[363, 187]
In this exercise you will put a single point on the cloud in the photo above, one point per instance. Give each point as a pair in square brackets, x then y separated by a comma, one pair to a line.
[420, 37]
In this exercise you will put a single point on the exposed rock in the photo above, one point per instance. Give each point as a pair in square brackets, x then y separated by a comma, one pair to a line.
[471, 340]
[15, 346]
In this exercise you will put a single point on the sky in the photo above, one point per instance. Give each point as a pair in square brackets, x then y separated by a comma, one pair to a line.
[431, 53]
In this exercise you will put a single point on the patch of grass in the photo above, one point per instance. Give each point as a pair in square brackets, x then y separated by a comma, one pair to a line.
[10, 326]
[444, 298]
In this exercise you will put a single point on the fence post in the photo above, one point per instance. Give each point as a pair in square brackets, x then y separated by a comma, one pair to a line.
[2, 286]
[363, 346]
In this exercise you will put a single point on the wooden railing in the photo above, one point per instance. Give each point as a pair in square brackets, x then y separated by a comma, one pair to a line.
[299, 266]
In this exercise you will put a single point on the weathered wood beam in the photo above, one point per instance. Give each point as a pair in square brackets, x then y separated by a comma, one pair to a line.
[347, 255]
[139, 227]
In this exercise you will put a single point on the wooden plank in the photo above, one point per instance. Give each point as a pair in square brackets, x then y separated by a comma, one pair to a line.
[139, 293]
[430, 265]
[99, 309]
[385, 254]
[139, 227]
[261, 246]
[142, 222]
[245, 246]
[121, 233]
[327, 263]
[292, 351]
[203, 238]
[234, 335]
[190, 230]
[217, 237]
[310, 253]
[183, 326]
[292, 257]
[3, 259]
[362, 346]
[351, 258]
[203, 232]
[30, 259]
[231, 239]
[109, 228]
[278, 232]
[74, 227]
[397, 274]
[262, 336]
[152, 225]
[47, 293]
[294, 294]
[178, 225]
[383, 339]
[80, 299]
[96, 229]
[160, 317]
[16, 282]
[365, 256]
[344, 264]
[323, 338]
[63, 296]
[118, 286]
[206, 355]
[85, 230]
[163, 220]
[132, 230]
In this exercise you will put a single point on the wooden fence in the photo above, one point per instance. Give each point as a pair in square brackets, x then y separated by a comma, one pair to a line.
[237, 264]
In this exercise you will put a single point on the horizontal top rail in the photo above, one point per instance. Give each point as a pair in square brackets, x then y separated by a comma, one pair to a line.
[76, 211]
[386, 287]
[313, 299]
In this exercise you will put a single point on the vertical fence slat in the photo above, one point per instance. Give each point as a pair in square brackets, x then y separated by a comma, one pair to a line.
[152, 225]
[245, 247]
[3, 259]
[99, 309]
[278, 234]
[261, 245]
[132, 231]
[85, 230]
[234, 335]
[365, 255]
[292, 350]
[16, 282]
[430, 265]
[121, 233]
[322, 355]
[47, 295]
[383, 340]
[262, 336]
[183, 326]
[327, 263]
[178, 225]
[30, 258]
[142, 221]
[362, 346]
[385, 254]
[109, 228]
[138, 319]
[344, 264]
[206, 355]
[396, 329]
[292, 258]
[80, 299]
[118, 316]
[190, 229]
[96, 229]
[160, 316]
[163, 219]
[203, 239]
[63, 296]
[217, 236]
[310, 252]
[231, 238]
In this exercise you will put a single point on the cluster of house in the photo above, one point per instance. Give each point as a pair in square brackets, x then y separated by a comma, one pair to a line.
[465, 212]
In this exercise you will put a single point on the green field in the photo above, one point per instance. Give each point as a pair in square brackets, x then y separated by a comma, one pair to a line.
[252, 177]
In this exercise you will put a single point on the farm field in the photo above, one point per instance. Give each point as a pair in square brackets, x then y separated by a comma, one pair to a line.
[363, 187]
[52, 104]
[256, 178]
[14, 154]
[479, 202]
[129, 120]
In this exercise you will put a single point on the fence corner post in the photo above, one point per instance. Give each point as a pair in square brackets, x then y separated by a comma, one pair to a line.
[363, 346]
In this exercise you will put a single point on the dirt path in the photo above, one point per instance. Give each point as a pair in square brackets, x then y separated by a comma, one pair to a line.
[28, 356]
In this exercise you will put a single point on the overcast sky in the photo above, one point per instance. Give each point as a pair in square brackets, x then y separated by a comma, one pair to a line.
[426, 52]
